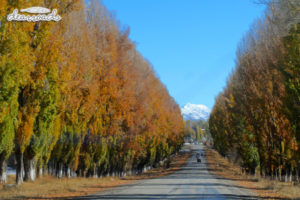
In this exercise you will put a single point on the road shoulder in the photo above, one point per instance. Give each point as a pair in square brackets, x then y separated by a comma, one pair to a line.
[265, 189]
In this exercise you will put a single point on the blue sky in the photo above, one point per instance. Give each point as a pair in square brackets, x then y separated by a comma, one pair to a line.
[190, 43]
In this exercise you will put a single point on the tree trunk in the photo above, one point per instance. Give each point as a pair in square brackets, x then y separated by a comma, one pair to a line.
[3, 171]
[279, 174]
[52, 168]
[49, 168]
[112, 174]
[263, 173]
[40, 171]
[59, 172]
[73, 173]
[20, 168]
[45, 170]
[291, 175]
[95, 175]
[30, 172]
[272, 174]
[68, 172]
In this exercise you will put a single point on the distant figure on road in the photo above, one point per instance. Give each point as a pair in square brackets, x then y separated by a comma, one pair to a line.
[198, 157]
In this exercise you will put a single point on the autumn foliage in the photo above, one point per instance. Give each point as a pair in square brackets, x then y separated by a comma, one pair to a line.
[77, 98]
[256, 119]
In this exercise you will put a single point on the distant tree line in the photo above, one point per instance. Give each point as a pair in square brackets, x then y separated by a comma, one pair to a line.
[77, 98]
[196, 130]
[257, 116]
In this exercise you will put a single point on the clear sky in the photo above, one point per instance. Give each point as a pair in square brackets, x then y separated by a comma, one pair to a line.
[190, 43]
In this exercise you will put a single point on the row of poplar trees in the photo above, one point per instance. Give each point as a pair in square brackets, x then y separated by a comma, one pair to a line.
[256, 119]
[77, 98]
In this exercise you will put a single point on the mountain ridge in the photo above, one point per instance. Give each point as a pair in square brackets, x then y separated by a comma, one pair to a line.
[195, 112]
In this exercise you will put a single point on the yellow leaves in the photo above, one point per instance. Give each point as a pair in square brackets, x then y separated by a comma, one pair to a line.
[231, 100]
[83, 77]
[25, 129]
[4, 110]
[282, 146]
[3, 8]
[256, 107]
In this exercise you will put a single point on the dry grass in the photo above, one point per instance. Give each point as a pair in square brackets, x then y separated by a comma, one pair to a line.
[267, 189]
[50, 187]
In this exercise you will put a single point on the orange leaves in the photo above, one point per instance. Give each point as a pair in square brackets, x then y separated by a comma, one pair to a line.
[25, 129]
[255, 114]
[82, 89]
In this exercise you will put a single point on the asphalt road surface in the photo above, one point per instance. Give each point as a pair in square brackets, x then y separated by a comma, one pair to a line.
[192, 181]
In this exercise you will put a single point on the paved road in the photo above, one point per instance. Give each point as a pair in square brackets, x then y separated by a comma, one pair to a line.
[193, 181]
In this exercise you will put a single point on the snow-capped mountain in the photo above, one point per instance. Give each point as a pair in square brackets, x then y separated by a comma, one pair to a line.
[195, 112]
